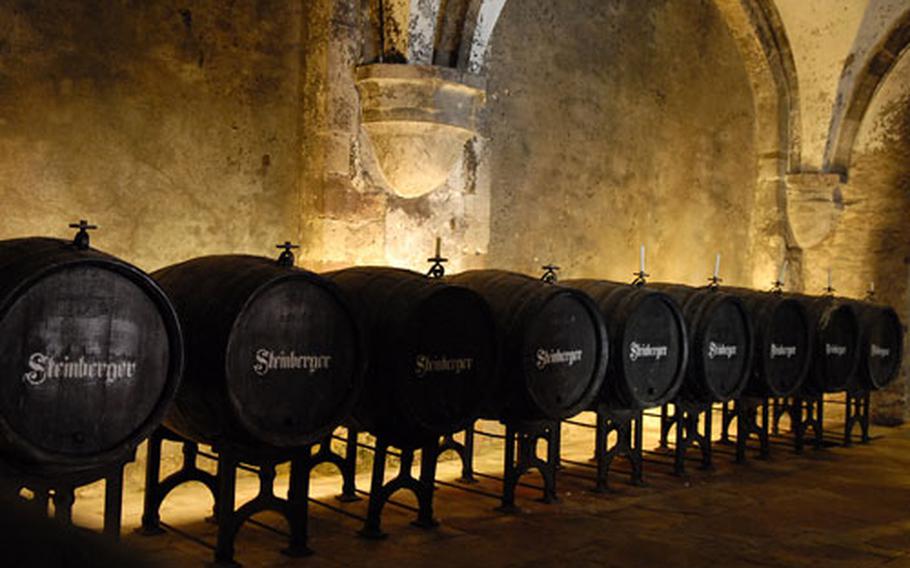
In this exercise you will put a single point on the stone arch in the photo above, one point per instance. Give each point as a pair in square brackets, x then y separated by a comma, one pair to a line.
[450, 27]
[445, 33]
[456, 35]
[759, 33]
[616, 131]
[872, 240]
[845, 125]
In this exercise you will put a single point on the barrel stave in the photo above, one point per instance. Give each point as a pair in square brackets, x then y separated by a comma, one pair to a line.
[207, 295]
[433, 353]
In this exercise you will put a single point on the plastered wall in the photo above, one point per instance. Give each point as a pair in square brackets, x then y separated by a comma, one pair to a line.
[618, 123]
[173, 127]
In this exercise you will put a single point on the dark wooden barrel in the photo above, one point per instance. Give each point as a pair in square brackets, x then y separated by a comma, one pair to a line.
[432, 353]
[783, 343]
[835, 345]
[90, 354]
[881, 345]
[274, 354]
[554, 346]
[649, 343]
[721, 342]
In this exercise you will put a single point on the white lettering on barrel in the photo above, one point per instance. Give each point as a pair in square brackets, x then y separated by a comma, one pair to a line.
[834, 349]
[268, 360]
[43, 367]
[721, 350]
[878, 351]
[782, 351]
[646, 350]
[547, 357]
[425, 364]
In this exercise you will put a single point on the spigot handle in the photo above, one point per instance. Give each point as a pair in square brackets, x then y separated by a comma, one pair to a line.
[82, 240]
[286, 258]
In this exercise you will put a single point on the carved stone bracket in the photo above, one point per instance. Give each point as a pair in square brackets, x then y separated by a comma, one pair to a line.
[418, 119]
[814, 207]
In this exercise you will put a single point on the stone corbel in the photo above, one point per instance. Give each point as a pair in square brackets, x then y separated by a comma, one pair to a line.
[418, 119]
[814, 207]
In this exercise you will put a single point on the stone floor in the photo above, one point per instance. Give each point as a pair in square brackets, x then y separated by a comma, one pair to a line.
[836, 507]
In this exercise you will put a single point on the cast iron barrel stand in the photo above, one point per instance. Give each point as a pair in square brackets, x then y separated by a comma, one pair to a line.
[223, 484]
[691, 423]
[61, 489]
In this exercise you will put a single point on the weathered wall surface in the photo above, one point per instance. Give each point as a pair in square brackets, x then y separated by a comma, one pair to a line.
[872, 241]
[172, 126]
[820, 33]
[830, 40]
[227, 127]
[880, 19]
[351, 215]
[617, 123]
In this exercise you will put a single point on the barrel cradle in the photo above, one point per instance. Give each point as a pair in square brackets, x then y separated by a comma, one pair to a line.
[275, 357]
[91, 354]
[555, 347]
[649, 343]
[835, 347]
[783, 343]
[721, 342]
[881, 345]
[433, 354]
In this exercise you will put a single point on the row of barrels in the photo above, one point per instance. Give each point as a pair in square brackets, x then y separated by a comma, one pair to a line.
[259, 354]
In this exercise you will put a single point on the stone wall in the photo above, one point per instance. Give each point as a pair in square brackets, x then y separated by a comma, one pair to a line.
[618, 123]
[351, 213]
[172, 126]
[872, 240]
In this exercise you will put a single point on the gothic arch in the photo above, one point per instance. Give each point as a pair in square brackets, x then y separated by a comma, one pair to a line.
[446, 33]
[759, 32]
[845, 125]
[458, 33]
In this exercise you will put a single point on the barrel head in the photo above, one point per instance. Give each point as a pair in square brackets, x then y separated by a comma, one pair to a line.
[292, 362]
[785, 349]
[653, 350]
[561, 351]
[84, 356]
[837, 348]
[882, 346]
[726, 349]
[448, 363]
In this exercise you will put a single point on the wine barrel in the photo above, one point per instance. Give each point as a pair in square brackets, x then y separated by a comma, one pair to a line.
[783, 343]
[649, 342]
[91, 354]
[881, 345]
[554, 346]
[432, 353]
[836, 344]
[274, 354]
[721, 342]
